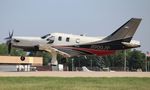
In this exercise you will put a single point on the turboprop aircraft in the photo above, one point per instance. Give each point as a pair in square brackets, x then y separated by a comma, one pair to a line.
[70, 45]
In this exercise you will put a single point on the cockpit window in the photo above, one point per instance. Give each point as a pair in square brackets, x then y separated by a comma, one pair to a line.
[45, 36]
[50, 39]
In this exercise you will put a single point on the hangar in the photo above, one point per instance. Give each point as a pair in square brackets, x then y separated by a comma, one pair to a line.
[14, 63]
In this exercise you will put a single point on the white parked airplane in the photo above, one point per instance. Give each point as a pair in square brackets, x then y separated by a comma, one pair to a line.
[76, 45]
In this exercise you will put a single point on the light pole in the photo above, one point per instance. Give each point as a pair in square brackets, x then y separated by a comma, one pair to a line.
[125, 60]
[79, 63]
[72, 63]
[145, 63]
[91, 64]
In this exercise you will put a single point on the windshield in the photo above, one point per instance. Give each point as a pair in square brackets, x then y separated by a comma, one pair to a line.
[45, 36]
[50, 39]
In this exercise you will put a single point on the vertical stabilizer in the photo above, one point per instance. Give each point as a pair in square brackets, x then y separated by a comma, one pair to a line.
[126, 31]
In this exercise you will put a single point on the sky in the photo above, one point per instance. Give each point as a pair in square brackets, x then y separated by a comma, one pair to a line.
[89, 17]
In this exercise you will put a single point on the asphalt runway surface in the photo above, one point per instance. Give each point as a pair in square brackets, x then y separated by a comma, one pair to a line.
[74, 74]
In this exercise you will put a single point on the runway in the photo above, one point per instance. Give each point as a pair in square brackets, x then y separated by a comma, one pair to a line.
[74, 74]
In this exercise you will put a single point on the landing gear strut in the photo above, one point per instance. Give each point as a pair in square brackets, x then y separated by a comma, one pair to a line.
[54, 62]
[53, 52]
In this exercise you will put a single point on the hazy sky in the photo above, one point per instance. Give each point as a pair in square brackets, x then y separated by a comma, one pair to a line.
[90, 17]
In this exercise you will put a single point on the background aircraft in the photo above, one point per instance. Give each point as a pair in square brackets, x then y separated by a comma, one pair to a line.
[75, 45]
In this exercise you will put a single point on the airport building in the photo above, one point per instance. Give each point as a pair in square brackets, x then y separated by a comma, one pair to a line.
[17, 63]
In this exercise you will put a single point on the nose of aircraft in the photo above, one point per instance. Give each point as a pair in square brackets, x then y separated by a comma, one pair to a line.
[25, 43]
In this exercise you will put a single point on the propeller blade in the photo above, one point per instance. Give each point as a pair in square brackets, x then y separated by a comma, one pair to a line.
[7, 38]
[11, 35]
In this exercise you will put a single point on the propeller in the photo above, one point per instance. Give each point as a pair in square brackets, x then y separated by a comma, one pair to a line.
[8, 42]
[10, 36]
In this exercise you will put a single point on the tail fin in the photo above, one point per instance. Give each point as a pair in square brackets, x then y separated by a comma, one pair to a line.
[126, 31]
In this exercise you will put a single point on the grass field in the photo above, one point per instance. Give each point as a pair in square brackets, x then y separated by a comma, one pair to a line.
[53, 83]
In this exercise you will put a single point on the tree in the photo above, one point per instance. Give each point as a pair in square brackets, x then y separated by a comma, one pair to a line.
[136, 60]
[116, 60]
[14, 51]
[46, 58]
[3, 49]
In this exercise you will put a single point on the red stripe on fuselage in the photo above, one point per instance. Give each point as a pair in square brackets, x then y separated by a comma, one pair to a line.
[97, 52]
[92, 51]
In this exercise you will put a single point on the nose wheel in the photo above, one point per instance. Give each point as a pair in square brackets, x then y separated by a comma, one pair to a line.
[22, 58]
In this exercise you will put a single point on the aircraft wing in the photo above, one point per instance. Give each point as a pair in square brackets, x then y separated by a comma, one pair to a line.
[73, 51]
[65, 51]
[50, 49]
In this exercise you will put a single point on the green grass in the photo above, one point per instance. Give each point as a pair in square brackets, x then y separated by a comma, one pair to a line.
[53, 83]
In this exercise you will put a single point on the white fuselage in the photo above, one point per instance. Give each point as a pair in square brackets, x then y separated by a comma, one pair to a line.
[59, 39]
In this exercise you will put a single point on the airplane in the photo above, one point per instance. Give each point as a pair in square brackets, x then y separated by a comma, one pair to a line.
[70, 45]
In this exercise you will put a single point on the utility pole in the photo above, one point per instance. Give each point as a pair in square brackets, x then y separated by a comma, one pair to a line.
[125, 60]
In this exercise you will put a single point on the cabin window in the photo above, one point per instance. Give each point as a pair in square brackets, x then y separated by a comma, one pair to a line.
[59, 38]
[77, 40]
[67, 39]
